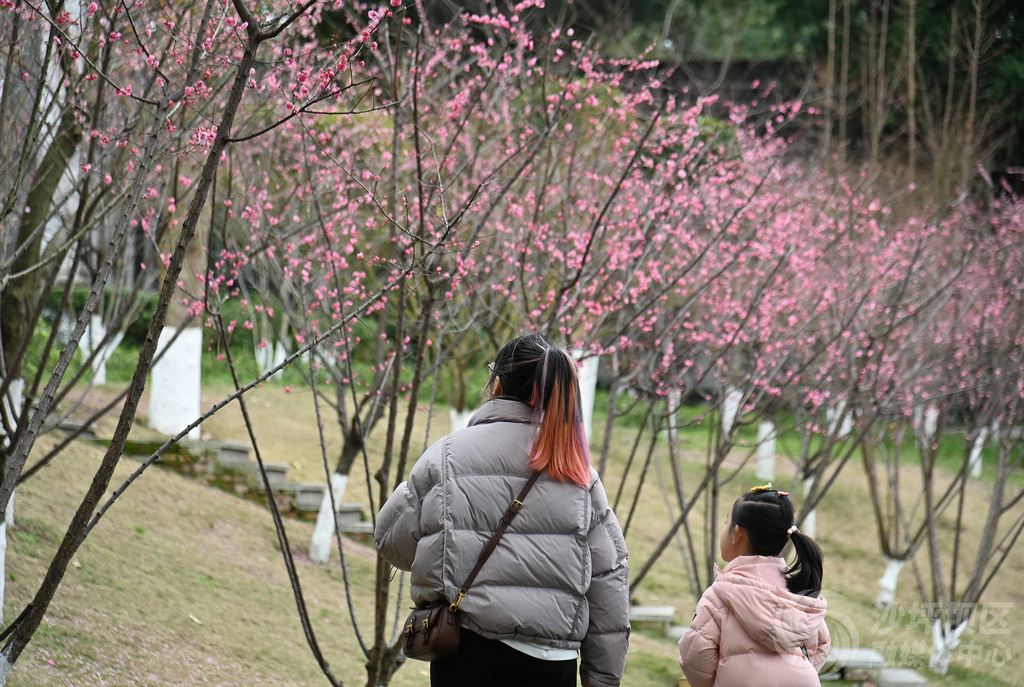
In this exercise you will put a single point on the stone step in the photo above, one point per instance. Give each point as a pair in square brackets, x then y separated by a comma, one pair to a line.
[350, 513]
[229, 453]
[84, 430]
[309, 496]
[276, 476]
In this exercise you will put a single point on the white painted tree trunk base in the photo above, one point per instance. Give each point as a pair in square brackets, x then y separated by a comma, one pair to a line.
[7, 523]
[926, 423]
[94, 333]
[730, 408]
[323, 531]
[3, 562]
[459, 418]
[978, 447]
[945, 639]
[888, 582]
[810, 524]
[766, 432]
[270, 356]
[588, 389]
[174, 396]
[672, 402]
[12, 405]
[840, 424]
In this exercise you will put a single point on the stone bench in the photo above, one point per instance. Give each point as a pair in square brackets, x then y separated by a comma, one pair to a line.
[361, 527]
[900, 677]
[856, 658]
[663, 615]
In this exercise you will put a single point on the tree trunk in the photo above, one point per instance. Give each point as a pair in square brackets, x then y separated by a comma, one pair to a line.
[588, 389]
[830, 81]
[686, 548]
[177, 384]
[844, 83]
[888, 582]
[912, 90]
[926, 425]
[12, 403]
[323, 532]
[945, 638]
[99, 346]
[977, 447]
[609, 425]
[809, 525]
[839, 422]
[970, 152]
[19, 297]
[24, 629]
[459, 418]
[730, 409]
[325, 528]
[766, 433]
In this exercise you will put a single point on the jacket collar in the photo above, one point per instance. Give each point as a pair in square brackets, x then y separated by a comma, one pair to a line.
[502, 409]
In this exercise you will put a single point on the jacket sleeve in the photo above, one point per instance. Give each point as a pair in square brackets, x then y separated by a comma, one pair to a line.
[397, 530]
[819, 652]
[398, 527]
[698, 647]
[603, 650]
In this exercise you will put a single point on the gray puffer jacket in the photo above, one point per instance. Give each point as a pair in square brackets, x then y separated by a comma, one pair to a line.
[559, 575]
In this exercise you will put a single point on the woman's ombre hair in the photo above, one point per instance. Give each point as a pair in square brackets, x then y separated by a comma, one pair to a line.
[533, 371]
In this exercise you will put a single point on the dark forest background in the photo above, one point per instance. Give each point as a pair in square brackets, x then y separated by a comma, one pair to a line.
[929, 93]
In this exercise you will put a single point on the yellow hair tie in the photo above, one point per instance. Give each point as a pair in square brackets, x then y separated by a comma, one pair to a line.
[763, 487]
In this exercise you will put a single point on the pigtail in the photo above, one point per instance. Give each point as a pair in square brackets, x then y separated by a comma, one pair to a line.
[559, 445]
[804, 576]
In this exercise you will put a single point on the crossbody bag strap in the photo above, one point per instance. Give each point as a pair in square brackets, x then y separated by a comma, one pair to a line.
[506, 520]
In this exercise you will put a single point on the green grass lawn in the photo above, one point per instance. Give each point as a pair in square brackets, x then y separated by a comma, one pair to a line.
[184, 584]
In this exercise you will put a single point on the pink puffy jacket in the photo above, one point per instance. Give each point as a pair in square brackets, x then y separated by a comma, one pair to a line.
[749, 629]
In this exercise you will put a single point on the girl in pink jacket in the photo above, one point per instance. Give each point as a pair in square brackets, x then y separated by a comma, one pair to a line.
[762, 621]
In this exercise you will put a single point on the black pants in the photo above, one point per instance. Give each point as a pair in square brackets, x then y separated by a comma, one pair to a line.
[485, 662]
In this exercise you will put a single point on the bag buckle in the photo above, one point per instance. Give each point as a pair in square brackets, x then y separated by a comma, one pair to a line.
[516, 506]
[455, 604]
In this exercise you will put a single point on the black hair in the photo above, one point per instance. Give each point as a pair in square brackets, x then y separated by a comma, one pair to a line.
[767, 516]
[537, 373]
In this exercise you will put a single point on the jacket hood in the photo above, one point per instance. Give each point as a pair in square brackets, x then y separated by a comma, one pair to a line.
[754, 588]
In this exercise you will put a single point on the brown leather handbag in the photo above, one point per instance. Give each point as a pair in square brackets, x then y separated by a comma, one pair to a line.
[432, 632]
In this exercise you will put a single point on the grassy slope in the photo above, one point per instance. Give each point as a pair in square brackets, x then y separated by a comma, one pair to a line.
[173, 552]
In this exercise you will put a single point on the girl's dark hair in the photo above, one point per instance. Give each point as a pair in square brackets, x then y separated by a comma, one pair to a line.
[767, 516]
[535, 372]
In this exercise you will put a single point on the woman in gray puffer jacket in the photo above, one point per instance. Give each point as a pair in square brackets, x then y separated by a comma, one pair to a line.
[556, 587]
